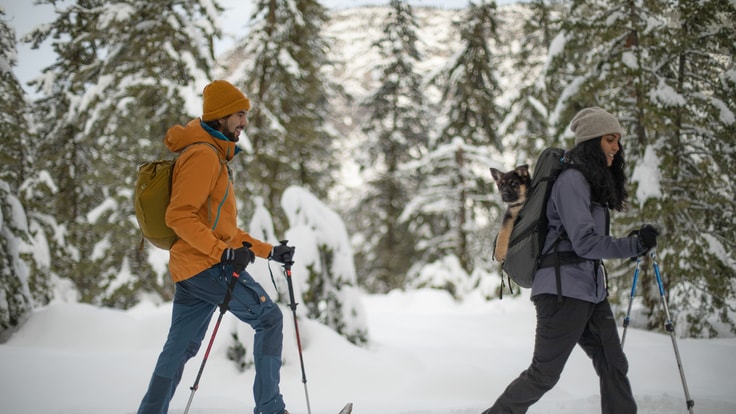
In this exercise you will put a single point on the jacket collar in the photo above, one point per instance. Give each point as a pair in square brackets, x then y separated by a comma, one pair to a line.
[218, 135]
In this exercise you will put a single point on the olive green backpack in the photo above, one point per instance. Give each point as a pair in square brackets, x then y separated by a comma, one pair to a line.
[151, 198]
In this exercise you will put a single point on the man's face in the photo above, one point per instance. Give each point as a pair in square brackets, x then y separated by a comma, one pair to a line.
[233, 125]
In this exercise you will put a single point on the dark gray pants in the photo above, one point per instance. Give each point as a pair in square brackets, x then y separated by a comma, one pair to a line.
[561, 325]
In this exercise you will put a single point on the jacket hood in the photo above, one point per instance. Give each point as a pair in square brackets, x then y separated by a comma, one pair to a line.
[180, 136]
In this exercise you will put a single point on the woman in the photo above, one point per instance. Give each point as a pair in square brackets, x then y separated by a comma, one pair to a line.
[577, 311]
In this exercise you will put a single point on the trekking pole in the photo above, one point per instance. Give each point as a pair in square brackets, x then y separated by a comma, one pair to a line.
[627, 319]
[292, 305]
[223, 309]
[669, 327]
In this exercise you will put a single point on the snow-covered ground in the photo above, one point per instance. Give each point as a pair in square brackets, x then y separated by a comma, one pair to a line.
[428, 354]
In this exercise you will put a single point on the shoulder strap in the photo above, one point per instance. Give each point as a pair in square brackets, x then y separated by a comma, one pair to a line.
[222, 161]
[217, 152]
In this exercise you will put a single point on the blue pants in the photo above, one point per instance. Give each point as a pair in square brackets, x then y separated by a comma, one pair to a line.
[195, 301]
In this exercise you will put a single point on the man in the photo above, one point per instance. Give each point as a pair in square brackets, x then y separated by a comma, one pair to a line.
[203, 213]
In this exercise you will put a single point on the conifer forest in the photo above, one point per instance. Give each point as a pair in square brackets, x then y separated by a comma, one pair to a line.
[389, 115]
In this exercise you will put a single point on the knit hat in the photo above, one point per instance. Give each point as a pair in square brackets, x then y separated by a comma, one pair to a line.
[221, 99]
[592, 123]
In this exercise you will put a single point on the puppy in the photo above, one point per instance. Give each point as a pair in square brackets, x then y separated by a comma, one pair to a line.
[513, 186]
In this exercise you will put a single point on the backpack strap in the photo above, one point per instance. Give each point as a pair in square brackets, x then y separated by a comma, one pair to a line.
[557, 259]
[222, 161]
[503, 284]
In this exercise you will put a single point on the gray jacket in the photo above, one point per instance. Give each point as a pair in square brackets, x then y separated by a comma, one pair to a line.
[587, 224]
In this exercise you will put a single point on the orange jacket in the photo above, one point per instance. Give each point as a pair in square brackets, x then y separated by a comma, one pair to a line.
[202, 208]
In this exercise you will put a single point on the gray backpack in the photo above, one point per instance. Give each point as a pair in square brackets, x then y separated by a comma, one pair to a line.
[524, 255]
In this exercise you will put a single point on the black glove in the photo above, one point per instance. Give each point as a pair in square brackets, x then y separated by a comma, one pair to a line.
[239, 258]
[646, 238]
[282, 253]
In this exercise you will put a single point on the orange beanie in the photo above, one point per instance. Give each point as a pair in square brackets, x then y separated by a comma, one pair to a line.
[221, 99]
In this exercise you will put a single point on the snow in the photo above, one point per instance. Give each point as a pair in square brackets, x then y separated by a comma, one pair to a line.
[666, 95]
[646, 175]
[629, 59]
[428, 354]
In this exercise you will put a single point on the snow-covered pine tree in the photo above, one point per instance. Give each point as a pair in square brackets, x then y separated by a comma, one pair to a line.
[526, 127]
[16, 299]
[324, 274]
[119, 81]
[455, 193]
[661, 80]
[695, 144]
[395, 127]
[280, 66]
[15, 154]
[15, 294]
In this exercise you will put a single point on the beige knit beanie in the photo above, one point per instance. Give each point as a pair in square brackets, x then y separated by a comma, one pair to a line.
[592, 123]
[221, 99]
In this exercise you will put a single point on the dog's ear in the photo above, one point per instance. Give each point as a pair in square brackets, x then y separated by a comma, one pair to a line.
[496, 174]
[522, 170]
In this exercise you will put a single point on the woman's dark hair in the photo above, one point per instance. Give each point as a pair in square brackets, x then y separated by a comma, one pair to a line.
[607, 184]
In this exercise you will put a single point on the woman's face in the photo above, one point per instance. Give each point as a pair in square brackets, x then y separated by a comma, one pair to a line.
[609, 145]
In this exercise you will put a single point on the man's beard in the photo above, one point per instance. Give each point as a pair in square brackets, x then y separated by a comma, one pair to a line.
[230, 135]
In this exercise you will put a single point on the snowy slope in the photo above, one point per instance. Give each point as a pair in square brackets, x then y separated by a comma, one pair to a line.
[428, 354]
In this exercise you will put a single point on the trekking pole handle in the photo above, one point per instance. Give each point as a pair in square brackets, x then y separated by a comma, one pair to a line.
[287, 265]
[229, 292]
[289, 283]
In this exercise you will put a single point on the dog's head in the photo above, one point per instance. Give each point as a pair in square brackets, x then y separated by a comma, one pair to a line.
[513, 184]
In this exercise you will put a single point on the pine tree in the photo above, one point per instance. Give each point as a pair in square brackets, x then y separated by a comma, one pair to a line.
[15, 154]
[396, 131]
[290, 135]
[17, 288]
[660, 80]
[694, 143]
[326, 278]
[455, 192]
[117, 85]
[15, 294]
[527, 123]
